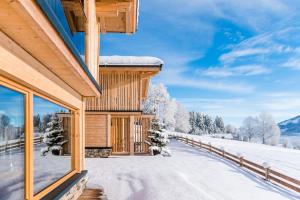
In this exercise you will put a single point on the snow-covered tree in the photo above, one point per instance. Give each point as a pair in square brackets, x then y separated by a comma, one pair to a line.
[157, 97]
[182, 119]
[230, 129]
[268, 129]
[200, 123]
[53, 137]
[167, 116]
[157, 139]
[250, 128]
[192, 122]
[219, 125]
[208, 122]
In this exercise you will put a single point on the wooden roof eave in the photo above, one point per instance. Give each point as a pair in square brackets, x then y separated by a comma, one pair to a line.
[117, 16]
[44, 38]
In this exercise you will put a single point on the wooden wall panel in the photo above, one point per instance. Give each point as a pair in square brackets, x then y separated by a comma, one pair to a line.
[96, 130]
[121, 92]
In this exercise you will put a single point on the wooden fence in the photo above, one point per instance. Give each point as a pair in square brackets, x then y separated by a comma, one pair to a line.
[141, 127]
[19, 143]
[264, 171]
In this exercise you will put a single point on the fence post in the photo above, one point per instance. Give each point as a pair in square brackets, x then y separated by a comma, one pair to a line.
[209, 146]
[192, 142]
[223, 151]
[186, 140]
[200, 144]
[267, 170]
[241, 159]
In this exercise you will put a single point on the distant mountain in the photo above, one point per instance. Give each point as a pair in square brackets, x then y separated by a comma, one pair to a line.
[290, 126]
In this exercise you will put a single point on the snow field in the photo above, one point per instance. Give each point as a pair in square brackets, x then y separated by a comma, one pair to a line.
[284, 160]
[189, 174]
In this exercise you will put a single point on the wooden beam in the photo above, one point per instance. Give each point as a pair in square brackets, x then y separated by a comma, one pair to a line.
[91, 50]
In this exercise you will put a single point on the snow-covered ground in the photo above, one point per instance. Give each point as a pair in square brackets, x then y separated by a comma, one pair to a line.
[281, 159]
[189, 174]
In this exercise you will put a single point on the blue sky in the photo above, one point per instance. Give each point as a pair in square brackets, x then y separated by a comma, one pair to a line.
[223, 57]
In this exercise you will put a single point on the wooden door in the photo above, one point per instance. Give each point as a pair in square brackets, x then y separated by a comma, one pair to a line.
[120, 134]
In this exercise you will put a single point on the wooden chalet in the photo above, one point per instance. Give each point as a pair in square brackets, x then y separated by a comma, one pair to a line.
[42, 75]
[115, 119]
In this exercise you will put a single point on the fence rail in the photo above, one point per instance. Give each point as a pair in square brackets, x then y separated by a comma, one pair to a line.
[14, 144]
[264, 171]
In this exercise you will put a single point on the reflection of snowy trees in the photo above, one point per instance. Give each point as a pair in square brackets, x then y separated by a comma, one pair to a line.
[4, 123]
[54, 136]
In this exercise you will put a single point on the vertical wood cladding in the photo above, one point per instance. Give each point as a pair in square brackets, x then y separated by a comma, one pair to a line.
[121, 91]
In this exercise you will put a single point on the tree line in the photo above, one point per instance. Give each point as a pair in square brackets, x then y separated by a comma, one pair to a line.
[201, 123]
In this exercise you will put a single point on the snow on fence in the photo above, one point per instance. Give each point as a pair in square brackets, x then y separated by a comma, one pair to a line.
[19, 143]
[263, 170]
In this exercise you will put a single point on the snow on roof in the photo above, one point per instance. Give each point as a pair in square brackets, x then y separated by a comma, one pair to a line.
[131, 60]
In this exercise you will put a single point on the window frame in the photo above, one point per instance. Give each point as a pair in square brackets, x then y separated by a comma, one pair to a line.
[29, 145]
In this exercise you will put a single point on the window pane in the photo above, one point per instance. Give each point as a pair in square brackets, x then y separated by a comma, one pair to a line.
[52, 143]
[11, 144]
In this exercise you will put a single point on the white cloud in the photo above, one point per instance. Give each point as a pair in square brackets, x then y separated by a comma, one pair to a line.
[246, 70]
[280, 48]
[293, 63]
[176, 70]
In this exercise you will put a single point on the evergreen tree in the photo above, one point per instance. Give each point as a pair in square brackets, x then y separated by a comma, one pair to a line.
[200, 123]
[219, 125]
[192, 121]
[208, 122]
[53, 137]
[157, 139]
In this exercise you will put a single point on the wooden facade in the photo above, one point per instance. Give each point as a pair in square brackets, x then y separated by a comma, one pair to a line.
[37, 58]
[121, 92]
[124, 89]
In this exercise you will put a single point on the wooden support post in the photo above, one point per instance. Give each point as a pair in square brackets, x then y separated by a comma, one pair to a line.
[209, 146]
[92, 38]
[200, 144]
[192, 142]
[131, 135]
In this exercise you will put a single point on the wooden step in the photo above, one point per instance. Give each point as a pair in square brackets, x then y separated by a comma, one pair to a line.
[93, 194]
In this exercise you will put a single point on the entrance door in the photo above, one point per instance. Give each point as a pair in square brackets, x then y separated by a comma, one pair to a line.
[120, 134]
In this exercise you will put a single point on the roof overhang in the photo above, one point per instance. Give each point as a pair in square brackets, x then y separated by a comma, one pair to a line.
[149, 66]
[114, 16]
[117, 16]
[30, 29]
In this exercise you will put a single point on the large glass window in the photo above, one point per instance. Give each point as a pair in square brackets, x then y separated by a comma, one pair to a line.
[52, 142]
[11, 144]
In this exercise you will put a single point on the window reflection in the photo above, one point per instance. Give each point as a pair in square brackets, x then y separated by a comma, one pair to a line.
[11, 144]
[52, 143]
